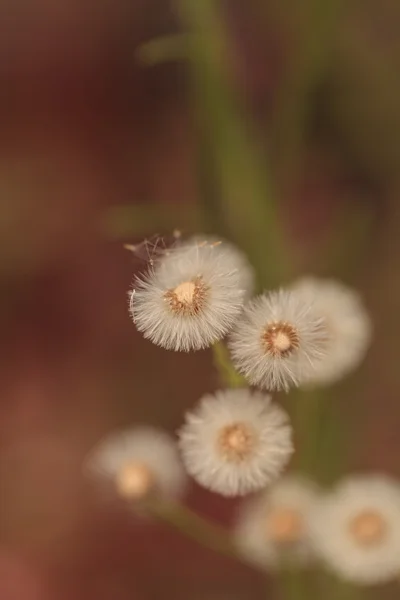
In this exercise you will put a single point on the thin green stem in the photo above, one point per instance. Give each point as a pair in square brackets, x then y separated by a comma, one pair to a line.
[315, 24]
[202, 531]
[228, 374]
[243, 196]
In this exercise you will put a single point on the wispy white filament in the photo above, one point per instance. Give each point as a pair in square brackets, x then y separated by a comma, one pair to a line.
[235, 442]
[237, 258]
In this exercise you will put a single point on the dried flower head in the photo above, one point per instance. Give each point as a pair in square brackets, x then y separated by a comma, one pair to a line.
[278, 341]
[272, 529]
[138, 463]
[347, 322]
[235, 442]
[190, 298]
[356, 529]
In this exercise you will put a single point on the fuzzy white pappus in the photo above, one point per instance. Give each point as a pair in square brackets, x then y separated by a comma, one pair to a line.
[190, 299]
[235, 256]
[356, 529]
[278, 341]
[235, 442]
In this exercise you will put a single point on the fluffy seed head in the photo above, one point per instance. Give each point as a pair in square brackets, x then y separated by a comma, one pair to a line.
[235, 442]
[272, 529]
[356, 529]
[278, 341]
[347, 322]
[137, 463]
[190, 298]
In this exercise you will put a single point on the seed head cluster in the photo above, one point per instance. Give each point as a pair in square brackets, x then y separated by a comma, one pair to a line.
[238, 441]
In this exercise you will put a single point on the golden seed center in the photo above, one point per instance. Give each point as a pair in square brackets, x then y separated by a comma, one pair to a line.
[285, 525]
[188, 297]
[134, 480]
[236, 442]
[184, 292]
[280, 339]
[368, 528]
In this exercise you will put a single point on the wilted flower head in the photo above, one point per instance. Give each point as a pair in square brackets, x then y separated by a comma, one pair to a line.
[190, 298]
[278, 341]
[356, 529]
[235, 442]
[272, 529]
[347, 322]
[138, 463]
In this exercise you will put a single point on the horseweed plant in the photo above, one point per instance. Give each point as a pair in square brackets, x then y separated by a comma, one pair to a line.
[237, 441]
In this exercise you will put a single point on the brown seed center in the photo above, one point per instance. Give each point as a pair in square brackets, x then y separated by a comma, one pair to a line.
[134, 480]
[188, 297]
[280, 339]
[368, 528]
[236, 442]
[285, 525]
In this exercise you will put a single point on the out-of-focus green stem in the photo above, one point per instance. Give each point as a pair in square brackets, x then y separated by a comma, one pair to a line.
[316, 26]
[169, 47]
[228, 374]
[244, 197]
[191, 525]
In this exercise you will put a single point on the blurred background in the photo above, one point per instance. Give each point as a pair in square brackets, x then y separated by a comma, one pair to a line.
[271, 122]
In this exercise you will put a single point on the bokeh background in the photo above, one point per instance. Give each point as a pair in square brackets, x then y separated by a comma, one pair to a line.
[274, 123]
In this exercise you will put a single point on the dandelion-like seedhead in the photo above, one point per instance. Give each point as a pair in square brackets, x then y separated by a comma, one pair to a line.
[278, 341]
[138, 463]
[272, 529]
[235, 442]
[347, 322]
[191, 298]
[356, 529]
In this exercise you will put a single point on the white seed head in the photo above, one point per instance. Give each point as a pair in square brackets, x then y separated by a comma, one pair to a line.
[278, 341]
[272, 529]
[235, 442]
[356, 529]
[138, 463]
[190, 299]
[348, 326]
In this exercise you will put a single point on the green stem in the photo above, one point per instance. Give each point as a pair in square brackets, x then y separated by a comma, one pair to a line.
[243, 194]
[229, 376]
[315, 24]
[202, 531]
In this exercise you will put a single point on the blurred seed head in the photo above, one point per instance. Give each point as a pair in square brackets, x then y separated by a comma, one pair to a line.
[272, 529]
